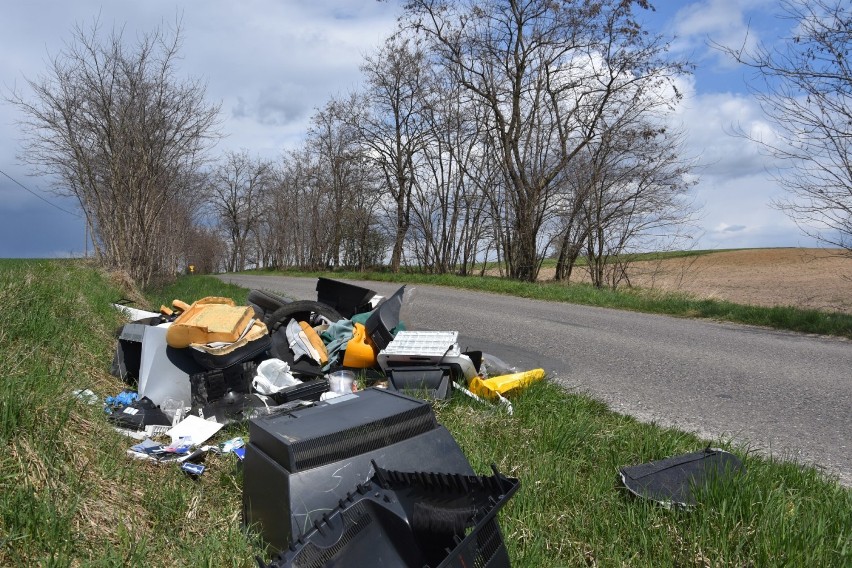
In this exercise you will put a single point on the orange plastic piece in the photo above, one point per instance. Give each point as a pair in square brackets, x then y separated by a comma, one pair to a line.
[360, 353]
[490, 388]
[316, 342]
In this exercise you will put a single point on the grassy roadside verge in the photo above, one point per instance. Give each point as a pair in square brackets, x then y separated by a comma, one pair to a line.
[635, 299]
[70, 496]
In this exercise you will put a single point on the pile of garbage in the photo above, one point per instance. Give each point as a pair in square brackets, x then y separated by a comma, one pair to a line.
[217, 360]
[347, 362]
[345, 463]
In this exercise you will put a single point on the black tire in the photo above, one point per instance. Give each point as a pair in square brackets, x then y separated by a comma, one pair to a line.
[266, 301]
[258, 311]
[302, 311]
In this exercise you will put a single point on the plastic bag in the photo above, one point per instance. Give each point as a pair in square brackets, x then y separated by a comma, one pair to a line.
[273, 375]
[493, 366]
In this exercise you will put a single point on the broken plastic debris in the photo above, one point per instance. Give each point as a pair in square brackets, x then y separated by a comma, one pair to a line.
[273, 376]
[86, 395]
[192, 468]
[504, 402]
[497, 386]
[671, 481]
[196, 429]
[134, 314]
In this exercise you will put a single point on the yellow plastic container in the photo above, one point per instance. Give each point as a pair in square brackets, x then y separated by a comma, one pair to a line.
[490, 388]
[360, 352]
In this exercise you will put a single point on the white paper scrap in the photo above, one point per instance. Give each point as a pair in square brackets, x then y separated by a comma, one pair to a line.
[196, 428]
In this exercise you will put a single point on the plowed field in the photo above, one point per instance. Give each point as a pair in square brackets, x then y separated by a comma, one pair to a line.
[807, 278]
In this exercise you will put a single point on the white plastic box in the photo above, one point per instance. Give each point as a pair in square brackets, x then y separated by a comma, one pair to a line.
[431, 348]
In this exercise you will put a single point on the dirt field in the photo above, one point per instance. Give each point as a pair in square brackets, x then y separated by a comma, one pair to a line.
[807, 278]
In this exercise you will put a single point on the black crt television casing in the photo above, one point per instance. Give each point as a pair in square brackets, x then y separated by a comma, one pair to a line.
[298, 465]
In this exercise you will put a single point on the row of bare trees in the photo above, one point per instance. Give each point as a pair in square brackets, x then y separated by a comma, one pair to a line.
[508, 131]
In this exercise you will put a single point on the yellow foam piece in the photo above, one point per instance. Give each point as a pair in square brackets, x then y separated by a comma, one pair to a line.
[209, 320]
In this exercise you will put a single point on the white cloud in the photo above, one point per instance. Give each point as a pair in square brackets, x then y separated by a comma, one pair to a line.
[711, 121]
[269, 63]
[735, 185]
[724, 22]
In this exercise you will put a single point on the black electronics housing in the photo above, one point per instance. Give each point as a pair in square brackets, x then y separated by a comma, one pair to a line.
[298, 465]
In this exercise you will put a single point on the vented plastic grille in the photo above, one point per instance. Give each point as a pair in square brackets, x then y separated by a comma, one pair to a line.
[366, 437]
[490, 550]
[355, 521]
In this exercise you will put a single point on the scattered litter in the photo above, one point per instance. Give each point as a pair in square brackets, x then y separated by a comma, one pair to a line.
[119, 401]
[146, 446]
[231, 445]
[341, 382]
[134, 314]
[192, 468]
[504, 402]
[86, 395]
[175, 410]
[200, 366]
[139, 414]
[196, 430]
[672, 481]
[500, 385]
[273, 376]
[492, 366]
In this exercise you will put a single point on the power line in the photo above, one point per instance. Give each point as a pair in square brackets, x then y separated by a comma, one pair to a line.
[39, 196]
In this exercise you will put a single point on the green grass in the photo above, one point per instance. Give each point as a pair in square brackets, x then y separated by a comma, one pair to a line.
[634, 299]
[70, 496]
[68, 493]
[572, 511]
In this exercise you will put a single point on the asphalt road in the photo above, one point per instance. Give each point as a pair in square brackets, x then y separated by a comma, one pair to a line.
[780, 393]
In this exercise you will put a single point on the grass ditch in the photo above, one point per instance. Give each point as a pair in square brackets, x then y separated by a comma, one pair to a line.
[70, 496]
[650, 301]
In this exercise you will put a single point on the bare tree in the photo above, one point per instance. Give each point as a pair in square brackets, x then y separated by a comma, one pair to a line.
[341, 173]
[121, 133]
[393, 129]
[237, 195]
[448, 204]
[546, 72]
[288, 225]
[636, 197]
[804, 86]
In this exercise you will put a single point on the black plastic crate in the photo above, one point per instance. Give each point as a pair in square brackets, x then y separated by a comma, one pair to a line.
[348, 299]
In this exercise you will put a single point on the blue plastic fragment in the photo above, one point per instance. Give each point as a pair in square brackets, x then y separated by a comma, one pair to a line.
[192, 468]
[119, 401]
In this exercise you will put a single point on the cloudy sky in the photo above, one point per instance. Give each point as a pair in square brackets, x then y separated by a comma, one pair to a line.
[270, 63]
